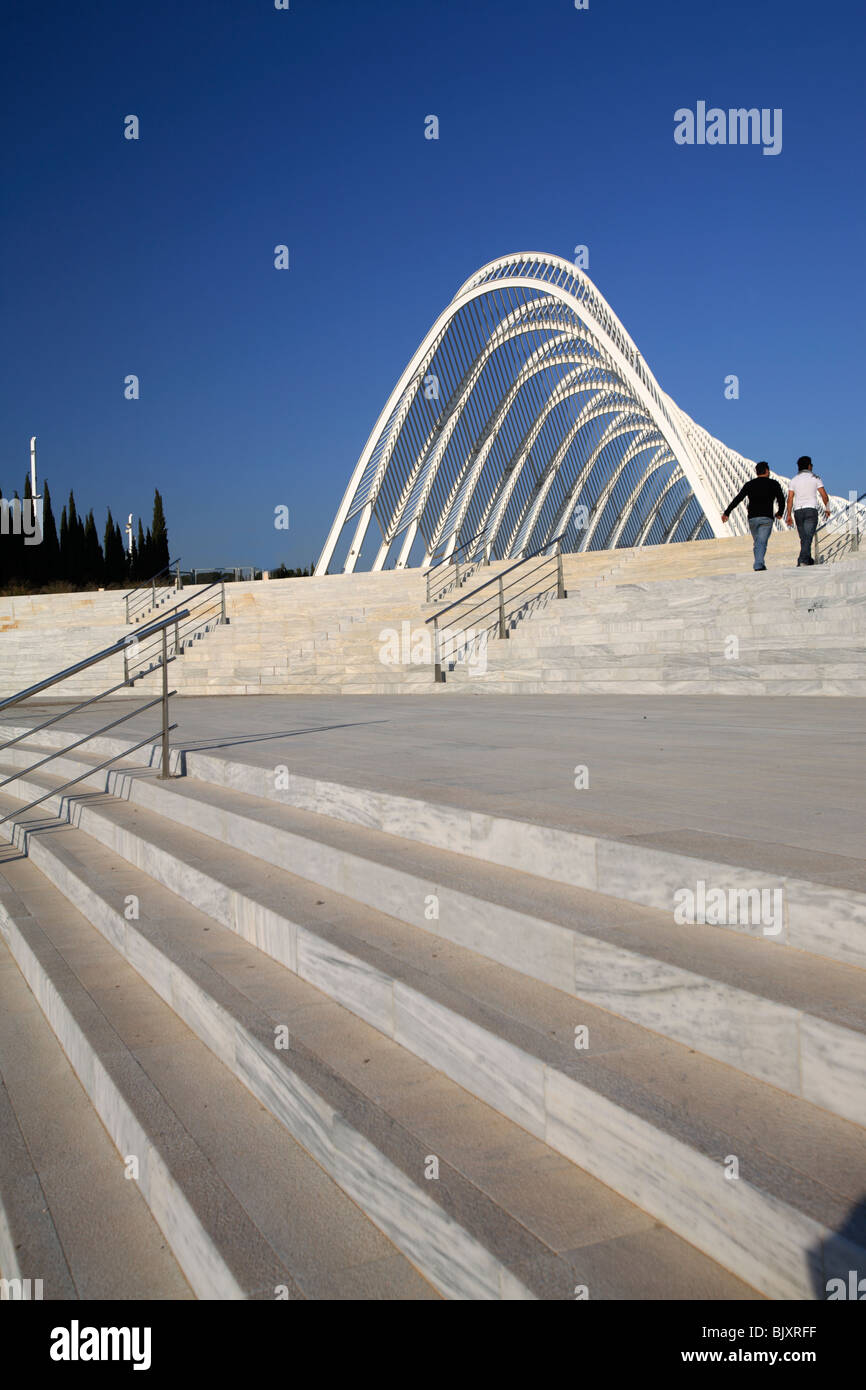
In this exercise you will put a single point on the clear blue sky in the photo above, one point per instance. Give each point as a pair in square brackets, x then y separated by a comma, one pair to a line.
[306, 127]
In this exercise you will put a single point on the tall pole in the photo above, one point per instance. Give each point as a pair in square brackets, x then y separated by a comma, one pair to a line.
[33, 466]
[164, 761]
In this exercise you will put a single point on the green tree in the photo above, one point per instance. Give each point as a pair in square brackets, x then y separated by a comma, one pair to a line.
[74, 560]
[142, 556]
[63, 565]
[13, 543]
[50, 557]
[158, 536]
[93, 560]
[28, 569]
[112, 546]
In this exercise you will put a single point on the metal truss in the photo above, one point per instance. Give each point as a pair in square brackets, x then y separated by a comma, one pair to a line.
[528, 407]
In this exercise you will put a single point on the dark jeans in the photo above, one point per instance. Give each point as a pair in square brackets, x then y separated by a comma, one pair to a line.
[806, 519]
[760, 527]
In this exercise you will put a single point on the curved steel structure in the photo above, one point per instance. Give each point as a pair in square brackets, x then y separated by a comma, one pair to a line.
[527, 413]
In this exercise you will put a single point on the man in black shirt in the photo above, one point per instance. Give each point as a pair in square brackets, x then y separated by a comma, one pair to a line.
[762, 493]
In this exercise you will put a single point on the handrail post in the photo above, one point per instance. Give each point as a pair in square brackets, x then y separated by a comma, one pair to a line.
[126, 665]
[176, 637]
[153, 592]
[222, 602]
[178, 583]
[164, 769]
[437, 656]
[457, 575]
[502, 629]
[560, 581]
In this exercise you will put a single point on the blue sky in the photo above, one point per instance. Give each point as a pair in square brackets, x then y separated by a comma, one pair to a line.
[258, 127]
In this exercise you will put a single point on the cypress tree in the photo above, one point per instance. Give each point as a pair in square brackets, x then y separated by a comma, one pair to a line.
[143, 559]
[14, 543]
[64, 566]
[94, 560]
[75, 544]
[50, 557]
[115, 560]
[159, 535]
[27, 554]
[113, 569]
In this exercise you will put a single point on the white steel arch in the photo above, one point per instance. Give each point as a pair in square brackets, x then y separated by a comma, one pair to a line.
[525, 398]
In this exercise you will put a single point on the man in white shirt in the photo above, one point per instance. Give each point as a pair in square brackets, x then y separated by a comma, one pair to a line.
[803, 494]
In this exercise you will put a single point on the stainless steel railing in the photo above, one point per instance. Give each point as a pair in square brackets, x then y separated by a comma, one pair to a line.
[505, 601]
[158, 629]
[141, 600]
[840, 534]
[202, 611]
[457, 567]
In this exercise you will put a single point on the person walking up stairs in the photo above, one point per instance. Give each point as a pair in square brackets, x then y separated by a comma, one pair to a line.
[763, 494]
[803, 494]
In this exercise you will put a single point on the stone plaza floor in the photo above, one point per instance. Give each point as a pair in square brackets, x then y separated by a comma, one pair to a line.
[777, 784]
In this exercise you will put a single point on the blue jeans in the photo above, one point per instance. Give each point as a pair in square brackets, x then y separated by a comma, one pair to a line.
[806, 519]
[760, 527]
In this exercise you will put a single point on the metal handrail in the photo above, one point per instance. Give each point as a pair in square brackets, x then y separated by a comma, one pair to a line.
[502, 618]
[842, 534]
[181, 636]
[453, 559]
[162, 699]
[495, 580]
[149, 587]
[113, 650]
[133, 748]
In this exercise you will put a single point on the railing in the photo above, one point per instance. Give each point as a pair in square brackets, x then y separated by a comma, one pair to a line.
[204, 610]
[140, 601]
[159, 629]
[456, 568]
[499, 609]
[833, 540]
[228, 573]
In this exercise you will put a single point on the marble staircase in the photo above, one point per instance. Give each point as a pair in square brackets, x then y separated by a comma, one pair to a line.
[647, 620]
[788, 631]
[349, 1044]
